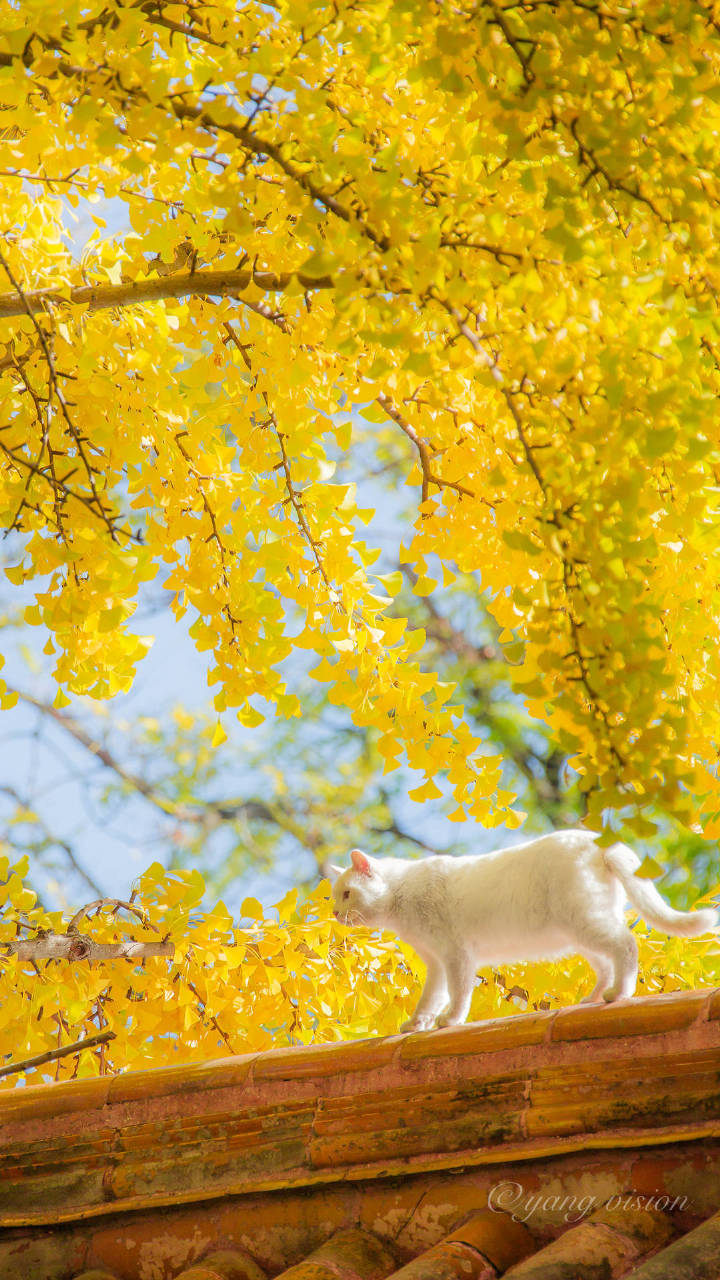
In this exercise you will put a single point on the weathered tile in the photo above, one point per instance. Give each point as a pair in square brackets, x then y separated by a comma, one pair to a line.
[477, 1037]
[317, 1061]
[647, 1015]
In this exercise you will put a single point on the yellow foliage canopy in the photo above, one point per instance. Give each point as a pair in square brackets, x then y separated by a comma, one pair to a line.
[491, 226]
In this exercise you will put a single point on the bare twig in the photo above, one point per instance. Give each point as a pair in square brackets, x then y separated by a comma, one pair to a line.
[91, 744]
[117, 904]
[208, 811]
[391, 828]
[425, 452]
[27, 1064]
[294, 495]
[50, 838]
[214, 536]
[213, 1021]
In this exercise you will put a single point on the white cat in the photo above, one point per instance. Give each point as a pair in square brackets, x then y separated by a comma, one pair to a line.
[557, 895]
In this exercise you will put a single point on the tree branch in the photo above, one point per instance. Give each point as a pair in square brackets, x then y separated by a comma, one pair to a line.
[440, 628]
[487, 360]
[58, 486]
[90, 1042]
[425, 452]
[215, 284]
[294, 494]
[222, 810]
[91, 744]
[50, 838]
[392, 828]
[72, 946]
[262, 148]
[514, 41]
[589, 159]
[95, 502]
[117, 905]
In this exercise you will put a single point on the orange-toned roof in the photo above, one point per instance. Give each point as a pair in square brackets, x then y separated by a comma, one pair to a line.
[402, 1139]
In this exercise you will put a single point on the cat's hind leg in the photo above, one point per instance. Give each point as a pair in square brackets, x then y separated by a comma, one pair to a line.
[460, 970]
[603, 967]
[612, 951]
[432, 998]
[625, 967]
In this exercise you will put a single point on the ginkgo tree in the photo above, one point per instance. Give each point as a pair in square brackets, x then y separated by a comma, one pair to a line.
[488, 229]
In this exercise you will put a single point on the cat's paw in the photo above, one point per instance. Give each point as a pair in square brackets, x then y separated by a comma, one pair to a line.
[416, 1024]
[447, 1020]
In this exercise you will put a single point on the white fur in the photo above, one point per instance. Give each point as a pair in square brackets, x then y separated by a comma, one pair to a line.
[557, 895]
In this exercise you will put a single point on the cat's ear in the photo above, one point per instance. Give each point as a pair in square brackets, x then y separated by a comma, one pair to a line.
[361, 862]
[334, 872]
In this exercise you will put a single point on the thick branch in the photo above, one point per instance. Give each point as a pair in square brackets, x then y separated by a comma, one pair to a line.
[74, 946]
[215, 284]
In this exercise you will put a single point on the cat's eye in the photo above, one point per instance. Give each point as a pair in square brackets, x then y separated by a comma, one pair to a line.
[346, 893]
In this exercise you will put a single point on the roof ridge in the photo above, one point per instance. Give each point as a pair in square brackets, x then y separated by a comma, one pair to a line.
[636, 1018]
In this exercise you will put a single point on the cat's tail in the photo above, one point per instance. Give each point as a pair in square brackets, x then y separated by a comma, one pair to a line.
[652, 907]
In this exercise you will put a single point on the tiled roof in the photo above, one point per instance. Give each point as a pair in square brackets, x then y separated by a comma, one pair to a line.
[578, 1143]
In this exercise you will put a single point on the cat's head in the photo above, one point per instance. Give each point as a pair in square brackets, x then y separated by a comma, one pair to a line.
[360, 892]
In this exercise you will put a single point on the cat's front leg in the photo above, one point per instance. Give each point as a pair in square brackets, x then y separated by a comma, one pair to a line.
[432, 999]
[460, 971]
